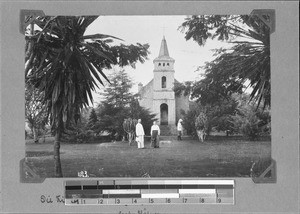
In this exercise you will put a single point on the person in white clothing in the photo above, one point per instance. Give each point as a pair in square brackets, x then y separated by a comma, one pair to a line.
[155, 132]
[179, 129]
[139, 130]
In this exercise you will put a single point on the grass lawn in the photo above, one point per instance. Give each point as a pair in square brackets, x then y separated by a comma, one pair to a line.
[187, 158]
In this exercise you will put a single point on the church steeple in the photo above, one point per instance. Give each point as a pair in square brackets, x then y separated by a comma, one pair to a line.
[163, 48]
[163, 56]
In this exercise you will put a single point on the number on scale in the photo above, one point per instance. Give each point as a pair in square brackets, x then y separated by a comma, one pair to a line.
[134, 200]
[118, 201]
[100, 201]
[151, 200]
[185, 200]
[201, 200]
[168, 200]
[219, 200]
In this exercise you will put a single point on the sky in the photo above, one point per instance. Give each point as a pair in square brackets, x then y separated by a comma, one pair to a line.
[188, 55]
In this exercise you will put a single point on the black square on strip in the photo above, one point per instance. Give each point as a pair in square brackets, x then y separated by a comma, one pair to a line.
[90, 187]
[142, 186]
[206, 187]
[72, 187]
[173, 186]
[106, 186]
[123, 186]
[187, 186]
[157, 186]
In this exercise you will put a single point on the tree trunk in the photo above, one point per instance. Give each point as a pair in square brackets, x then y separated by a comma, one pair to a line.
[57, 163]
[35, 135]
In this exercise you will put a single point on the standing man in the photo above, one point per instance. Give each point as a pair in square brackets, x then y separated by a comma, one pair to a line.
[155, 132]
[139, 130]
[179, 129]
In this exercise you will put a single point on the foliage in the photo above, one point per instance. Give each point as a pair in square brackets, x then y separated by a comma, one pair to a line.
[66, 65]
[119, 104]
[117, 93]
[201, 121]
[114, 108]
[35, 112]
[219, 114]
[92, 120]
[247, 62]
[189, 118]
[250, 121]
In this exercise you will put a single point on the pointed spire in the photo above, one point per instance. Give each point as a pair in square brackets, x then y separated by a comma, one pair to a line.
[163, 48]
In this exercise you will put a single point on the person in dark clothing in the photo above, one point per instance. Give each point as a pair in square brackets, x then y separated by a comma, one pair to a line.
[155, 132]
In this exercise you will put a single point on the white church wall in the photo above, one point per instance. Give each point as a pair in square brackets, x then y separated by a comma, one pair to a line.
[146, 97]
[158, 80]
[171, 109]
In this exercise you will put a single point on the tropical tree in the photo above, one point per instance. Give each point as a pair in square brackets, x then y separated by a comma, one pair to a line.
[246, 63]
[67, 65]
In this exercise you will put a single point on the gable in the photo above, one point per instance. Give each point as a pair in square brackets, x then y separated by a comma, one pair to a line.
[146, 90]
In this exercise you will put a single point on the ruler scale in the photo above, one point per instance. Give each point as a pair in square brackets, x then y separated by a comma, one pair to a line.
[152, 191]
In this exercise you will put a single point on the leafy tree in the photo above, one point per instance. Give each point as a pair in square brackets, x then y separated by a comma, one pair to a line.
[247, 62]
[189, 118]
[92, 120]
[117, 93]
[219, 114]
[114, 108]
[66, 65]
[35, 112]
[119, 104]
[250, 121]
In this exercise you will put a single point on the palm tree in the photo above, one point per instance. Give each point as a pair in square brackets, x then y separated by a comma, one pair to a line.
[67, 65]
[247, 62]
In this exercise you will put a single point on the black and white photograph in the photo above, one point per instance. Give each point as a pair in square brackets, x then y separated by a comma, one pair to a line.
[153, 96]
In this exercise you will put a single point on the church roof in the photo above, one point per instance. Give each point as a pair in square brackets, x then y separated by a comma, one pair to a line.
[164, 52]
[163, 48]
[144, 88]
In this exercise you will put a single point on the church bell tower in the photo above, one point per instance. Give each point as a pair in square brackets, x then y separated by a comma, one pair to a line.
[163, 83]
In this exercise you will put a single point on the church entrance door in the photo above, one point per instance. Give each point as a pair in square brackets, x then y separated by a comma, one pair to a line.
[164, 114]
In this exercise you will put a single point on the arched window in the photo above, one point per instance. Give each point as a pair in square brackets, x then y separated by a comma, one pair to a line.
[168, 64]
[159, 64]
[163, 82]
[163, 64]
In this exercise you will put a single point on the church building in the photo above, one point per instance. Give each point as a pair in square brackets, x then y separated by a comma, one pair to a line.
[158, 95]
